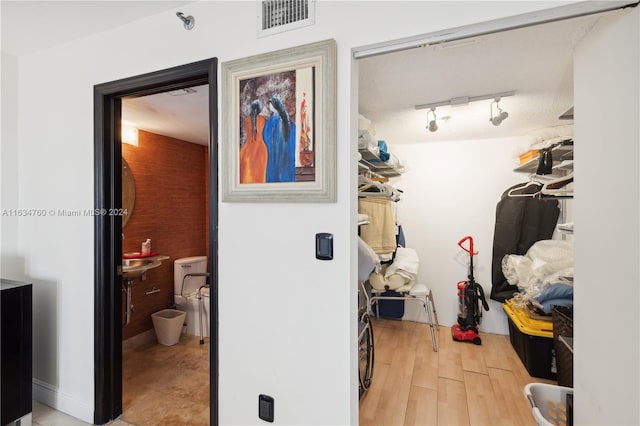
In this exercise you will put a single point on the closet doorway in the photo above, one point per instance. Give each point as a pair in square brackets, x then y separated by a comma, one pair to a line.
[393, 125]
[108, 228]
[456, 171]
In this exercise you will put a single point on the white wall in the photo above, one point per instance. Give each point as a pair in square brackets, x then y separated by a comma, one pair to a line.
[287, 321]
[11, 266]
[607, 188]
[450, 191]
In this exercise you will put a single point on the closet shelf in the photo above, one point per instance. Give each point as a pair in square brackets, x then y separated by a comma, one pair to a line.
[374, 164]
[560, 152]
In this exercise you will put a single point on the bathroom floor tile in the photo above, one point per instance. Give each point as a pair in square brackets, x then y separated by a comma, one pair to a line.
[153, 372]
[119, 422]
[157, 408]
[192, 385]
[166, 385]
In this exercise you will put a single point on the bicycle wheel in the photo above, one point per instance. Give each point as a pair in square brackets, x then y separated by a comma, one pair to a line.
[365, 353]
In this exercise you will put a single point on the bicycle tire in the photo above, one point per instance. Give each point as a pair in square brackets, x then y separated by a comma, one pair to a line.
[366, 354]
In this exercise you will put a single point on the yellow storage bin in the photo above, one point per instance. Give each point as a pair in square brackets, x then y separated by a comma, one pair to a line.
[532, 340]
[526, 324]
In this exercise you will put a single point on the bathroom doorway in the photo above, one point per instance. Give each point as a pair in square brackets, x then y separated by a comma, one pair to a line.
[108, 227]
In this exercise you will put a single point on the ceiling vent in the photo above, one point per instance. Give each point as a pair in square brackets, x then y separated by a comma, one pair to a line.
[277, 16]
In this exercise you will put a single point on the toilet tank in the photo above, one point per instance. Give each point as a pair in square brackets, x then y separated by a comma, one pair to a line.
[185, 266]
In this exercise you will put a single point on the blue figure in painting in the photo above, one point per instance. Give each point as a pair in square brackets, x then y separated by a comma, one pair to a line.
[280, 138]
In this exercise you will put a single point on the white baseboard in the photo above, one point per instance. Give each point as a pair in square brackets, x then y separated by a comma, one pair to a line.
[61, 401]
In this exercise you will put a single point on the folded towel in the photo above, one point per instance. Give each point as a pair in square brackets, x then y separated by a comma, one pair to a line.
[406, 263]
[380, 233]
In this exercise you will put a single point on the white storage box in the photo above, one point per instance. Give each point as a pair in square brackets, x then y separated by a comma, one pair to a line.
[548, 403]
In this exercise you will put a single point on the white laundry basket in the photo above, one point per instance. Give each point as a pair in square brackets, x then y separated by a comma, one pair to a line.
[168, 325]
[548, 403]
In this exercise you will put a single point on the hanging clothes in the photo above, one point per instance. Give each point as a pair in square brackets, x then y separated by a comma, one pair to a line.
[520, 222]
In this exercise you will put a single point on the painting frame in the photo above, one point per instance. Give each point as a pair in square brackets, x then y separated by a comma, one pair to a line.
[304, 78]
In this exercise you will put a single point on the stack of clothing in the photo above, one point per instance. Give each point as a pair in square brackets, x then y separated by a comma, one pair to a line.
[403, 271]
[544, 275]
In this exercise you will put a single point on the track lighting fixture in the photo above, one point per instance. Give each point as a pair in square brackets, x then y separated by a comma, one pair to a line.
[500, 117]
[464, 100]
[433, 126]
[188, 21]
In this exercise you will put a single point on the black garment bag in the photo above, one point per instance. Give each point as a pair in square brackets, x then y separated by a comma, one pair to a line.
[520, 222]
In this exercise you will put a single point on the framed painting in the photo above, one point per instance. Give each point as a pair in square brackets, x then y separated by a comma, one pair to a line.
[279, 126]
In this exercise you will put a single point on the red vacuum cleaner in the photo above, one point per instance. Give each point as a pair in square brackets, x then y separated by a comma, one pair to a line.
[470, 295]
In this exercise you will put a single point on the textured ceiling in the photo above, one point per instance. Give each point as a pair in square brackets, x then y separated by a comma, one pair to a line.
[535, 62]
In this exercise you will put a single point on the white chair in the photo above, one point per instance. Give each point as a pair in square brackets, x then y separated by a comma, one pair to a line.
[411, 291]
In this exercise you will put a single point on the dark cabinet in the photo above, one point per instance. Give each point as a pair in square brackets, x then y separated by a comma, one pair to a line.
[15, 350]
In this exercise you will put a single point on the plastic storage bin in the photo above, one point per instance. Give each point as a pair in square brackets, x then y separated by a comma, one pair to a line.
[532, 340]
[393, 309]
[168, 325]
[549, 404]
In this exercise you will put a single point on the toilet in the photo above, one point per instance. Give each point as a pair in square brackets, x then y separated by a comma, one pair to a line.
[185, 292]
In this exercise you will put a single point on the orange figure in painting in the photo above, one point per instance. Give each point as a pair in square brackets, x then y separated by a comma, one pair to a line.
[253, 154]
[306, 152]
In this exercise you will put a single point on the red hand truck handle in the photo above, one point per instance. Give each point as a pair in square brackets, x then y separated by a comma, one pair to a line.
[470, 249]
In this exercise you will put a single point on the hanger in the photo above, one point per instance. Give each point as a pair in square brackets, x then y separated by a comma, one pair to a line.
[557, 186]
[365, 183]
[531, 182]
[372, 188]
[549, 185]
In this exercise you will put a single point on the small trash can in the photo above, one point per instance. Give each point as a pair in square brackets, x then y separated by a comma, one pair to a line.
[168, 325]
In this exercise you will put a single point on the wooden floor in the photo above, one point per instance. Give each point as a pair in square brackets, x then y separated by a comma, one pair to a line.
[461, 384]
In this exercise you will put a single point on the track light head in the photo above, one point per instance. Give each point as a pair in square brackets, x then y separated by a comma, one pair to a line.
[498, 119]
[433, 126]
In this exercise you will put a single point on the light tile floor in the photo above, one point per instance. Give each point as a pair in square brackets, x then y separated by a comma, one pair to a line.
[43, 415]
[461, 384]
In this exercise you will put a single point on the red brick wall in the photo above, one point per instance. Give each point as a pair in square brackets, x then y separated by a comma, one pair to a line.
[171, 209]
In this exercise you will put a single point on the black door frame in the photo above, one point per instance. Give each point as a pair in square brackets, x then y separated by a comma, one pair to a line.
[108, 228]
